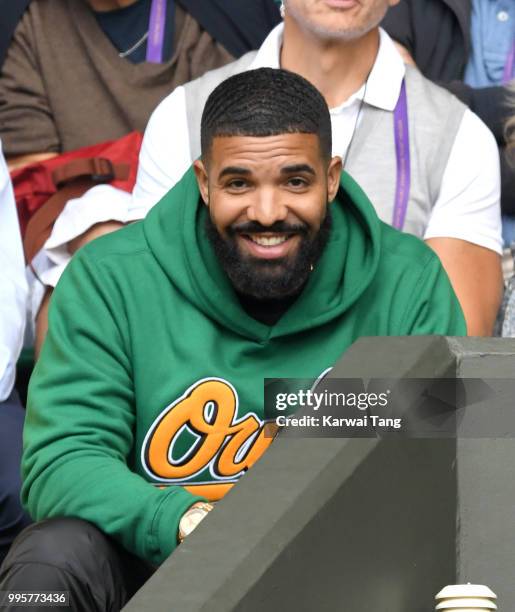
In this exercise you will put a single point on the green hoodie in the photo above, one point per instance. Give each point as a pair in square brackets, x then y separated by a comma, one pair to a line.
[148, 394]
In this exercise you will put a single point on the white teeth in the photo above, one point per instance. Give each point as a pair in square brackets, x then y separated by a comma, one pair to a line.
[268, 241]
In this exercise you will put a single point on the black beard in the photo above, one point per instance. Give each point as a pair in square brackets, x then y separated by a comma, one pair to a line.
[269, 279]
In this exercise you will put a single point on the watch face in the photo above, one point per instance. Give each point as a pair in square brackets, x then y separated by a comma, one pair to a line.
[191, 519]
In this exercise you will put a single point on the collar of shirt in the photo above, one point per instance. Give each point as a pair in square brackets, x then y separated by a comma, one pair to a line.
[384, 82]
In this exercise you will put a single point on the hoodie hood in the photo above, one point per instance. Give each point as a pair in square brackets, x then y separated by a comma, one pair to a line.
[175, 233]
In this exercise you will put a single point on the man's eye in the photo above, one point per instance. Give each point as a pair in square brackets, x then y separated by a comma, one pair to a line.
[237, 184]
[297, 182]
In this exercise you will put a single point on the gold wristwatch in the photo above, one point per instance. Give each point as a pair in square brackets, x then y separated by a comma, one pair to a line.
[191, 518]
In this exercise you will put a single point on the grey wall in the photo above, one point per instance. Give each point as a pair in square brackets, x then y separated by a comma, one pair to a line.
[362, 525]
[486, 480]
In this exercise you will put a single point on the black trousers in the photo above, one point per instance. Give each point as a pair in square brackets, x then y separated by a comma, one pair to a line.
[67, 554]
[12, 516]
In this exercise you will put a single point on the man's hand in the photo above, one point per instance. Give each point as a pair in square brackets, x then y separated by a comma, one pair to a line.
[476, 277]
[405, 54]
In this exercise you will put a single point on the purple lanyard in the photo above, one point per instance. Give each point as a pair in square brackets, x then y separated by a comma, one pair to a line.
[508, 67]
[402, 154]
[156, 31]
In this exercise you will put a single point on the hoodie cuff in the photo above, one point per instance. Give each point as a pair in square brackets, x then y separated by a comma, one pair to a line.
[165, 525]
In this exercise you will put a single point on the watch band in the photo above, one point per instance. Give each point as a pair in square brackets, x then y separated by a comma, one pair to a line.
[184, 530]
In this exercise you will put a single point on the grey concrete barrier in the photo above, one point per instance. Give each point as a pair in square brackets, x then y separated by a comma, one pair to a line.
[359, 525]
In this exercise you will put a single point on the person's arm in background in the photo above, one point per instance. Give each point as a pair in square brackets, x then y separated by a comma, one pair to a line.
[13, 286]
[27, 127]
[465, 226]
[476, 277]
[80, 423]
[18, 161]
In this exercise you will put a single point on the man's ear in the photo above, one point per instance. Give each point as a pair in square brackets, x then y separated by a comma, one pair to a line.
[333, 177]
[202, 180]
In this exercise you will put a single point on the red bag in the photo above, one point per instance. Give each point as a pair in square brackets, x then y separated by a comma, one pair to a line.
[42, 189]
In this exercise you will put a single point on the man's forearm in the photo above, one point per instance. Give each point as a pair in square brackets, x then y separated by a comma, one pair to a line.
[476, 276]
[17, 162]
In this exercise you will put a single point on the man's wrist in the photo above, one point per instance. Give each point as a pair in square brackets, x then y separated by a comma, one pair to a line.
[192, 518]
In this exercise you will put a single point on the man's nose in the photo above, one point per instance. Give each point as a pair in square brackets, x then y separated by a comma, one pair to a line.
[267, 207]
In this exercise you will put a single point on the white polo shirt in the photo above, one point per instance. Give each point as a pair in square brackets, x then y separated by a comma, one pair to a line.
[468, 205]
[13, 286]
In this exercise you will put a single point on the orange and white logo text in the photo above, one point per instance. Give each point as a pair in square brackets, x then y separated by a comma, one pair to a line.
[220, 445]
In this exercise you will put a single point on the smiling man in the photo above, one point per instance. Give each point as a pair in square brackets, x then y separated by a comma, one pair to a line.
[147, 401]
[267, 194]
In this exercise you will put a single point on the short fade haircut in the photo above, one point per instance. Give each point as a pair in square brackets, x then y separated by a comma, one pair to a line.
[266, 102]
